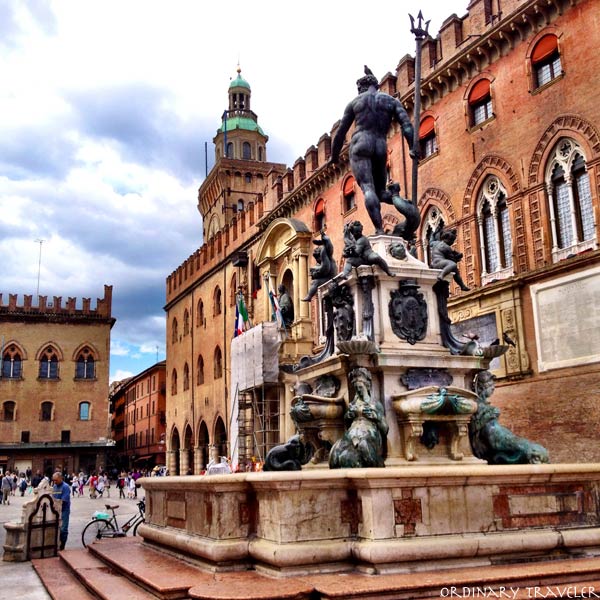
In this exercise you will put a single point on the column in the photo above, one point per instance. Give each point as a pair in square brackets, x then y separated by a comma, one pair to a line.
[303, 285]
[497, 231]
[482, 245]
[172, 462]
[198, 464]
[184, 461]
[569, 181]
[552, 219]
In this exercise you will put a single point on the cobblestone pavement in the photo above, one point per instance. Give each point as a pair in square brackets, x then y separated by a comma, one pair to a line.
[20, 578]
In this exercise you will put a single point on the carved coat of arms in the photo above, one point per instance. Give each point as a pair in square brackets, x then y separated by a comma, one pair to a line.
[408, 312]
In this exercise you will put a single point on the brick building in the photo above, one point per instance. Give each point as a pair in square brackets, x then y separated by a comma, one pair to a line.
[138, 426]
[54, 383]
[510, 153]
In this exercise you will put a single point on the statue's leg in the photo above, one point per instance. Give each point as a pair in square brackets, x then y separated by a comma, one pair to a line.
[312, 291]
[362, 170]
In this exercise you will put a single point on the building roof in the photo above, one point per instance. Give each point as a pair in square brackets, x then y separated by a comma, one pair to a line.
[241, 123]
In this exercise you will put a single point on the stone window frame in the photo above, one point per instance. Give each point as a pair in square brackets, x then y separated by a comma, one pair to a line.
[12, 352]
[80, 413]
[564, 156]
[44, 405]
[87, 357]
[49, 359]
[533, 82]
[13, 412]
[493, 194]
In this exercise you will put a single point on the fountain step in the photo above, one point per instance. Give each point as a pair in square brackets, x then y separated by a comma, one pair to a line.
[129, 569]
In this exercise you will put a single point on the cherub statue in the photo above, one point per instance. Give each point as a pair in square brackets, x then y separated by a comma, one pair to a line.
[358, 251]
[325, 269]
[444, 257]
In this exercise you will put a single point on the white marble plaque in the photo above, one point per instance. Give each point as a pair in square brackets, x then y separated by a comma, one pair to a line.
[567, 320]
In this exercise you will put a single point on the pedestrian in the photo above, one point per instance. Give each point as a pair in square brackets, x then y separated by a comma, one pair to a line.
[74, 484]
[62, 491]
[82, 480]
[131, 486]
[37, 478]
[121, 485]
[100, 485]
[6, 487]
[93, 481]
[22, 484]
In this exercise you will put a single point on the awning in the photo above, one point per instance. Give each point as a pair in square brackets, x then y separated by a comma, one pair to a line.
[544, 48]
[146, 457]
[426, 127]
[480, 90]
[349, 186]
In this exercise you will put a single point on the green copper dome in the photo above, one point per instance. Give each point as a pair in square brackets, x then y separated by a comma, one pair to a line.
[239, 82]
[241, 123]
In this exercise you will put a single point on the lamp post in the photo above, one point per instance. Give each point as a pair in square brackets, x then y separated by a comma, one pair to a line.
[420, 34]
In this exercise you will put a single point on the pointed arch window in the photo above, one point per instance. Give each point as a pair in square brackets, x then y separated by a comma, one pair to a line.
[174, 331]
[569, 201]
[11, 363]
[174, 382]
[186, 322]
[432, 223]
[200, 371]
[545, 60]
[217, 302]
[85, 366]
[218, 363]
[49, 364]
[200, 313]
[186, 377]
[494, 231]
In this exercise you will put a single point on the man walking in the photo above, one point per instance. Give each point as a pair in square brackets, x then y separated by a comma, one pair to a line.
[61, 491]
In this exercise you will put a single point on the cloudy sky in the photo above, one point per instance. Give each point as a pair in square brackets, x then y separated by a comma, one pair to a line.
[104, 111]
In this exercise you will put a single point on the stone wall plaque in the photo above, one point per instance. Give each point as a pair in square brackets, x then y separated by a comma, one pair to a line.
[567, 320]
[485, 327]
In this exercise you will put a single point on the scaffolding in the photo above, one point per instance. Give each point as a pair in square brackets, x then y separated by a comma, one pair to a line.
[256, 394]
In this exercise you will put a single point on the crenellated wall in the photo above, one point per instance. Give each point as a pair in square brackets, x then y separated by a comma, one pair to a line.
[56, 307]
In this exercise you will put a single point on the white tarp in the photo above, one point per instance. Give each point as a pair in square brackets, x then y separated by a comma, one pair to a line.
[254, 362]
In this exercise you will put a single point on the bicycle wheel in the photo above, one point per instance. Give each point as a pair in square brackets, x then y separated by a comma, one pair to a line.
[95, 530]
[137, 525]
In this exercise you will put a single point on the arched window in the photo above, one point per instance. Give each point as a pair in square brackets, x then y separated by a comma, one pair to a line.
[84, 411]
[260, 153]
[49, 364]
[200, 313]
[229, 149]
[174, 331]
[349, 194]
[11, 363]
[545, 60]
[85, 367]
[200, 371]
[217, 303]
[480, 102]
[46, 411]
[570, 201]
[8, 410]
[319, 215]
[432, 223]
[186, 322]
[246, 151]
[174, 382]
[186, 377]
[218, 363]
[494, 231]
[233, 290]
[427, 138]
[240, 205]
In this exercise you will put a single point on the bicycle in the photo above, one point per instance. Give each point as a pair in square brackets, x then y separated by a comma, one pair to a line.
[104, 526]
